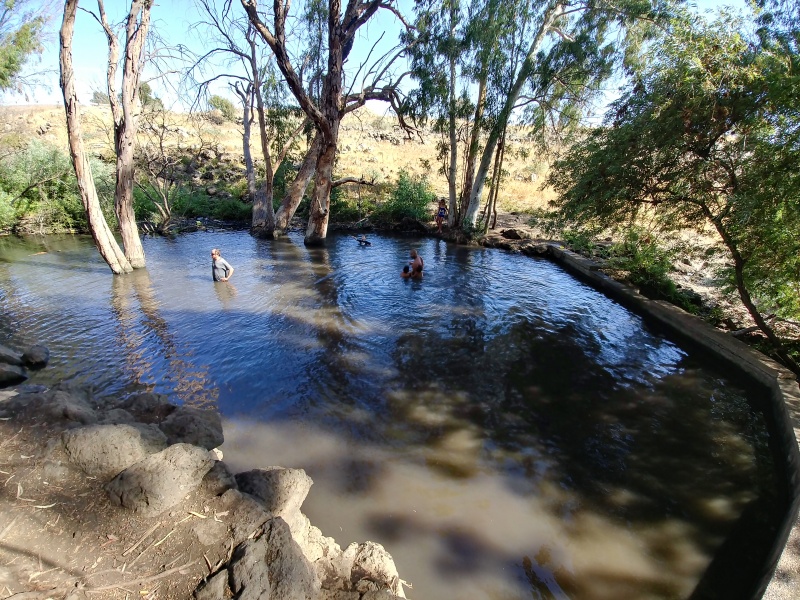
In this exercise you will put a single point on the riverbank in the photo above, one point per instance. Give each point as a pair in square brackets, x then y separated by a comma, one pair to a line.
[108, 499]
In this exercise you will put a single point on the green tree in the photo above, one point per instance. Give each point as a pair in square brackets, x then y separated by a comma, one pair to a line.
[21, 26]
[224, 106]
[707, 135]
[483, 63]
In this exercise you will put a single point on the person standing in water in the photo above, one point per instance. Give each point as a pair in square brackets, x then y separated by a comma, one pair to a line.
[417, 264]
[221, 270]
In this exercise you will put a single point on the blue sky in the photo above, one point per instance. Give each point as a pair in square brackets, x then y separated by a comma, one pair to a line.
[173, 18]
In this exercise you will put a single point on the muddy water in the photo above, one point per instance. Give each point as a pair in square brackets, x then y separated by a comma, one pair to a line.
[504, 430]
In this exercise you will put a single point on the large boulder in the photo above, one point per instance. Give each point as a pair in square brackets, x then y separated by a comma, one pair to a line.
[372, 568]
[273, 567]
[194, 426]
[161, 480]
[36, 357]
[61, 405]
[10, 357]
[105, 450]
[281, 491]
[215, 588]
[11, 375]
[148, 407]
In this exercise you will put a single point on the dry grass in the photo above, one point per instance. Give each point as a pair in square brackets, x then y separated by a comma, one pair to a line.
[371, 146]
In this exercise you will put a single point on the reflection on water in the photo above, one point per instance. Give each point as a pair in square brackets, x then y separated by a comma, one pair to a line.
[504, 430]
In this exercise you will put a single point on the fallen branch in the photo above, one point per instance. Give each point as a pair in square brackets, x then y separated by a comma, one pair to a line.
[143, 538]
[166, 573]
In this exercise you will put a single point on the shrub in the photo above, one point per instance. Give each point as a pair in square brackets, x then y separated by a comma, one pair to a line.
[231, 209]
[224, 106]
[410, 198]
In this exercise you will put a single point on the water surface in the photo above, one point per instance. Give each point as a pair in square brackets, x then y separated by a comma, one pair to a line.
[503, 429]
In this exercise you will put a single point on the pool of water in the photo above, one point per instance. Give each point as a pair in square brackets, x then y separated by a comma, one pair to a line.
[504, 430]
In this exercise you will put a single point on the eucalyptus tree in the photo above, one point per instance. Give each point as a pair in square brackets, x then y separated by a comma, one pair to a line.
[487, 62]
[98, 227]
[22, 23]
[332, 40]
[708, 134]
[125, 107]
[250, 72]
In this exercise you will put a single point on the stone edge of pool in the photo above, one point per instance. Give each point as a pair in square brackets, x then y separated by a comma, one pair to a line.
[780, 577]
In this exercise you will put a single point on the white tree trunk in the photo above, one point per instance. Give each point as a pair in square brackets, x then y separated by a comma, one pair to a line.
[101, 233]
[549, 17]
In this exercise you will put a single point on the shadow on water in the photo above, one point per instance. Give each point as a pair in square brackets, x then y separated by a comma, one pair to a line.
[547, 439]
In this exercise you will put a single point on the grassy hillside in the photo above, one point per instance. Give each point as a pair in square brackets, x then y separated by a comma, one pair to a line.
[372, 147]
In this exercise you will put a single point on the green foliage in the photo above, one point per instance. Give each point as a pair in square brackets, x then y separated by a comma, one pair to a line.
[38, 190]
[231, 209]
[100, 98]
[411, 198]
[579, 241]
[148, 99]
[224, 106]
[707, 135]
[21, 25]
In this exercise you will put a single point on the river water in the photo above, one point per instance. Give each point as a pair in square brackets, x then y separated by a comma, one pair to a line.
[504, 430]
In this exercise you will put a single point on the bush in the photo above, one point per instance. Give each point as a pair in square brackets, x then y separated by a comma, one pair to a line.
[38, 186]
[230, 209]
[224, 106]
[410, 198]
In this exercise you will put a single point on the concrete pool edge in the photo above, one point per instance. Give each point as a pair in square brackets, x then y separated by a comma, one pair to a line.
[781, 572]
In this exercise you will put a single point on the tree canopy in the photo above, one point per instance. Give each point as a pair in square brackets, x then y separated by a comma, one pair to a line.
[21, 26]
[706, 135]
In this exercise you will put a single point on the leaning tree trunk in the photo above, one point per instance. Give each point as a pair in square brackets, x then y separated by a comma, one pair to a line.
[125, 130]
[744, 293]
[101, 233]
[294, 194]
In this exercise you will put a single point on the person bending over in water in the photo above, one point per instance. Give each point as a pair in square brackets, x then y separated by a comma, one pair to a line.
[221, 270]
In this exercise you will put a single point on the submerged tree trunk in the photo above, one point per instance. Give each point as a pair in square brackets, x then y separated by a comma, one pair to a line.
[294, 194]
[125, 129]
[319, 213]
[101, 233]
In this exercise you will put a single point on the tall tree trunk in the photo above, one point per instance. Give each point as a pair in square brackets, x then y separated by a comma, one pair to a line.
[471, 159]
[125, 130]
[491, 203]
[551, 14]
[320, 201]
[101, 233]
[294, 194]
[246, 96]
[263, 224]
[453, 215]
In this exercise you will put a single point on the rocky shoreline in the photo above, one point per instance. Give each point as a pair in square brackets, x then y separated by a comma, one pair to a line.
[108, 498]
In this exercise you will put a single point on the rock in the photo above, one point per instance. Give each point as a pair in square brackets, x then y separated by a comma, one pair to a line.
[379, 595]
[249, 572]
[213, 589]
[10, 357]
[211, 191]
[218, 480]
[106, 450]
[160, 480]
[63, 405]
[291, 574]
[194, 426]
[117, 416]
[209, 531]
[247, 515]
[515, 234]
[36, 357]
[148, 407]
[282, 492]
[11, 375]
[371, 563]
